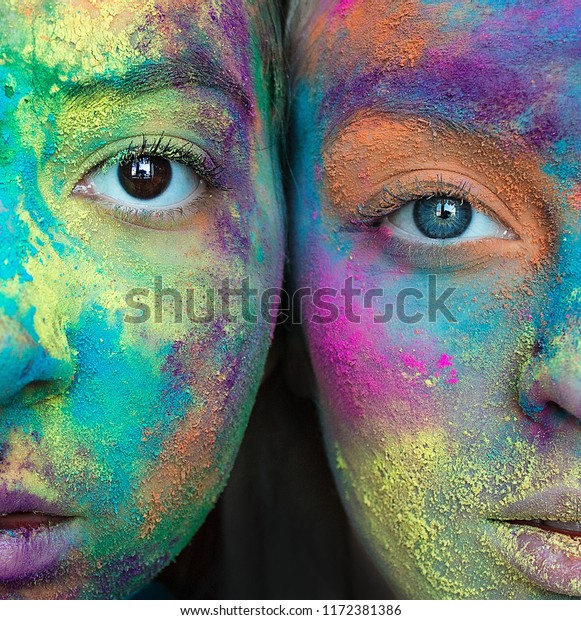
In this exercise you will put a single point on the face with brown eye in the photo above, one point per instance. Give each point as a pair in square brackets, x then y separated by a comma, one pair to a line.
[436, 190]
[138, 148]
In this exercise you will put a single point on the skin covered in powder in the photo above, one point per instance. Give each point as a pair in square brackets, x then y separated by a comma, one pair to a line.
[129, 427]
[440, 431]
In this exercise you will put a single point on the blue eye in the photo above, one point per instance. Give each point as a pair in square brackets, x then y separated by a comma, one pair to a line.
[442, 217]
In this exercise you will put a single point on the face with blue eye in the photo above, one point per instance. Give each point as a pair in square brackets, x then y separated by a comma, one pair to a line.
[442, 139]
[139, 147]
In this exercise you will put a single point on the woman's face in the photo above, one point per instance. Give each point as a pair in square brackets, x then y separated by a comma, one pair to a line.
[136, 145]
[436, 158]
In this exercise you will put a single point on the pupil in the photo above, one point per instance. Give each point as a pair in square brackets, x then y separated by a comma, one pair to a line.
[442, 217]
[145, 177]
[445, 210]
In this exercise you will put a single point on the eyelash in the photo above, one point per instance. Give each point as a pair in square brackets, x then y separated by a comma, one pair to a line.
[400, 193]
[394, 198]
[173, 151]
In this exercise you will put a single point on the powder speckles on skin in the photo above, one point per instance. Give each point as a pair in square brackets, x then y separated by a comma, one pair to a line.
[473, 63]
[413, 473]
[398, 40]
[141, 422]
[107, 32]
[212, 388]
[482, 94]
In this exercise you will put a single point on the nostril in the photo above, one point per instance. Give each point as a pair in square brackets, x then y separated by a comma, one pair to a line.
[556, 417]
[34, 387]
[551, 386]
[36, 391]
[27, 369]
[555, 410]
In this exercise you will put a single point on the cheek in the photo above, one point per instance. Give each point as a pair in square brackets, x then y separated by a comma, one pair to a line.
[364, 374]
[372, 363]
[409, 375]
[194, 461]
[187, 469]
[144, 395]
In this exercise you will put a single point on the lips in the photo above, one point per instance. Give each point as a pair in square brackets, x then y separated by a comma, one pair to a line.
[35, 535]
[29, 521]
[21, 501]
[569, 528]
[540, 537]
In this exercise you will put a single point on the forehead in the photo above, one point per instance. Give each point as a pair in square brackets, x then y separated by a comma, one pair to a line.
[497, 65]
[80, 38]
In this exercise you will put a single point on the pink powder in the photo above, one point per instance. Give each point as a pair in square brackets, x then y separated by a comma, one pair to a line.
[445, 360]
[411, 362]
[342, 7]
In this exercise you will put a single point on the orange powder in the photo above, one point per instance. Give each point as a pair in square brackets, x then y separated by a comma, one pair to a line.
[372, 151]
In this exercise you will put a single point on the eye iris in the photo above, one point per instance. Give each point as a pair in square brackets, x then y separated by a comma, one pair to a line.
[145, 177]
[442, 217]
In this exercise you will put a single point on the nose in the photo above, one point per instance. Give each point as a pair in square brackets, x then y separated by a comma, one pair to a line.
[551, 381]
[554, 377]
[28, 373]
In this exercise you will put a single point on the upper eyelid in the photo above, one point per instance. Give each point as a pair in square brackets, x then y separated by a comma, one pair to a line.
[97, 113]
[109, 154]
[460, 191]
[378, 143]
[156, 149]
[466, 188]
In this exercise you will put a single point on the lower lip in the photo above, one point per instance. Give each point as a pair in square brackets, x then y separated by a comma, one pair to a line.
[550, 559]
[32, 545]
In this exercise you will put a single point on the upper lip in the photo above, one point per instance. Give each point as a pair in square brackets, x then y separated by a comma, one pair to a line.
[22, 502]
[553, 504]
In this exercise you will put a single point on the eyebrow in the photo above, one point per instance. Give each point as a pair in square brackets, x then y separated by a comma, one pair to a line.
[193, 68]
[443, 124]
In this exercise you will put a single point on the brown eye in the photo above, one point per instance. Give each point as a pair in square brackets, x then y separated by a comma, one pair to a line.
[145, 177]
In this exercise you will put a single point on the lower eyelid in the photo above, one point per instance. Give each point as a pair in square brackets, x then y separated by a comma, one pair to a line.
[161, 219]
[452, 256]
